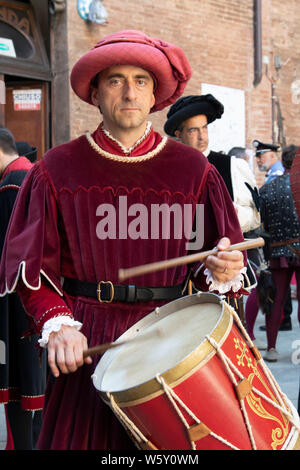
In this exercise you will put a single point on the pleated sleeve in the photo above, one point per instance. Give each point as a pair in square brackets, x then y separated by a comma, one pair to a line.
[32, 245]
[31, 256]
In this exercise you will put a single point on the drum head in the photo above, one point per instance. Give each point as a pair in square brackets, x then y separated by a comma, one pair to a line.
[158, 343]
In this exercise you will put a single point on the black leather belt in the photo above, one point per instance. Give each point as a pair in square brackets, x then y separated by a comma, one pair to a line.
[286, 242]
[106, 291]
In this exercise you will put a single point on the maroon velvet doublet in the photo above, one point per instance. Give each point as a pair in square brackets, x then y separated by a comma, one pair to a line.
[55, 230]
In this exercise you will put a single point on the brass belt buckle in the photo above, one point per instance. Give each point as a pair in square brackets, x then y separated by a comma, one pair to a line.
[99, 291]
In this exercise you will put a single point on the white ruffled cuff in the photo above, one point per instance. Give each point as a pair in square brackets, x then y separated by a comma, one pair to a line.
[54, 324]
[223, 287]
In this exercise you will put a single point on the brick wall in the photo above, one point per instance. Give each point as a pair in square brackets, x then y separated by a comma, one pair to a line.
[286, 43]
[217, 37]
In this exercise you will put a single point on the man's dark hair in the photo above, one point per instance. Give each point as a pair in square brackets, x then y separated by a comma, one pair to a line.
[288, 155]
[7, 142]
[239, 152]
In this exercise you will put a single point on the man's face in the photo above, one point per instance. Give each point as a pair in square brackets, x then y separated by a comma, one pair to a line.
[125, 96]
[194, 132]
[265, 161]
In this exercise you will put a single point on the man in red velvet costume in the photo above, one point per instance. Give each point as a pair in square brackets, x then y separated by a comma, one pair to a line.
[58, 231]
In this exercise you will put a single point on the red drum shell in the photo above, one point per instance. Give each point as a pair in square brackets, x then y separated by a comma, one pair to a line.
[209, 393]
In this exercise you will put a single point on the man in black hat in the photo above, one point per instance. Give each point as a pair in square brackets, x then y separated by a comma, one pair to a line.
[268, 160]
[188, 121]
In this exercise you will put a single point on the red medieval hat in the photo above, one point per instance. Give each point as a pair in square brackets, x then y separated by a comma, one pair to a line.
[166, 62]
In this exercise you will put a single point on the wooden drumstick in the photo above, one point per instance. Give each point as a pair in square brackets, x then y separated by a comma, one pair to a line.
[102, 348]
[200, 256]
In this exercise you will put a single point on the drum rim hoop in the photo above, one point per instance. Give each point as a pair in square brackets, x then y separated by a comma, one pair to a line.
[189, 365]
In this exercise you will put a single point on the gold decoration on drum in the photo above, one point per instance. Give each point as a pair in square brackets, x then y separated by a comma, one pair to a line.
[245, 359]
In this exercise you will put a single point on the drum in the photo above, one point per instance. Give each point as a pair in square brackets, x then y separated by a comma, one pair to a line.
[187, 376]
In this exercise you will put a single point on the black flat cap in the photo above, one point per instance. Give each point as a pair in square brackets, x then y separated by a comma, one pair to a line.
[260, 147]
[189, 106]
[25, 150]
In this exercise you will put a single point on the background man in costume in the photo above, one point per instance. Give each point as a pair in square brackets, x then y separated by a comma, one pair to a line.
[241, 152]
[295, 186]
[281, 221]
[188, 120]
[268, 160]
[127, 75]
[22, 376]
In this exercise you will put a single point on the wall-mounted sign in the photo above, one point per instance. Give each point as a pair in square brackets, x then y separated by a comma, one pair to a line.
[27, 100]
[7, 47]
[92, 10]
[230, 130]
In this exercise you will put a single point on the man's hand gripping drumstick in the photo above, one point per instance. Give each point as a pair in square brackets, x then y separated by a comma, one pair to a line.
[65, 350]
[224, 265]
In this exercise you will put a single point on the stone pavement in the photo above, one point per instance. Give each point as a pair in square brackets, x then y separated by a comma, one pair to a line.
[286, 371]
